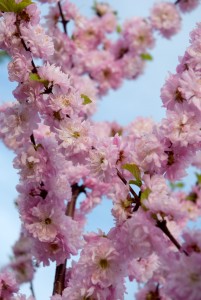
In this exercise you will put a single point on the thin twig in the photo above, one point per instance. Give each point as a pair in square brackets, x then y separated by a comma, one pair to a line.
[63, 20]
[32, 289]
[163, 226]
[17, 23]
[59, 280]
[137, 199]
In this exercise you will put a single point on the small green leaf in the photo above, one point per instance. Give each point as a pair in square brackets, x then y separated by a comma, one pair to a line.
[12, 6]
[3, 55]
[118, 29]
[145, 194]
[135, 171]
[176, 185]
[146, 56]
[198, 176]
[136, 182]
[36, 77]
[86, 99]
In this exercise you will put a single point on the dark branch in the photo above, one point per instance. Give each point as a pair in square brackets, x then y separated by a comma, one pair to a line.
[137, 199]
[163, 226]
[32, 289]
[17, 23]
[63, 20]
[61, 269]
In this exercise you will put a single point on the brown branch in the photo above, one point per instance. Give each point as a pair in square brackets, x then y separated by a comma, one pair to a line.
[17, 23]
[59, 280]
[63, 20]
[163, 226]
[137, 199]
[32, 289]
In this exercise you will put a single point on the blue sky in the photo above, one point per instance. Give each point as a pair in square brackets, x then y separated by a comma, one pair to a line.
[136, 98]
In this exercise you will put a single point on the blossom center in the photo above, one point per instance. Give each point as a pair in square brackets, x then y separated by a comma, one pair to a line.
[76, 134]
[194, 277]
[48, 221]
[103, 263]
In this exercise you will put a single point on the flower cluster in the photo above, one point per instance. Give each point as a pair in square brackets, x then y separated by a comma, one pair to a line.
[63, 156]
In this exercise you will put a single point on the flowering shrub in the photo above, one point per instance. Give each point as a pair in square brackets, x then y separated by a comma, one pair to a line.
[63, 156]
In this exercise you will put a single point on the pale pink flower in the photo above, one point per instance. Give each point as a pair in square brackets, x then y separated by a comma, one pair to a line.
[187, 5]
[8, 40]
[178, 159]
[75, 135]
[133, 237]
[138, 34]
[23, 268]
[171, 93]
[122, 204]
[139, 127]
[102, 8]
[192, 240]
[20, 67]
[184, 278]
[181, 128]
[143, 269]
[40, 44]
[165, 18]
[17, 122]
[190, 86]
[102, 160]
[44, 224]
[8, 285]
[61, 82]
[149, 152]
[100, 261]
[88, 34]
[159, 200]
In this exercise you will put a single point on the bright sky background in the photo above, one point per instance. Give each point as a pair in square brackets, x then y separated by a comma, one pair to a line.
[137, 98]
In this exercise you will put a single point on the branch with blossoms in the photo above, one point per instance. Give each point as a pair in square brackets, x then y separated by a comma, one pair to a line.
[60, 153]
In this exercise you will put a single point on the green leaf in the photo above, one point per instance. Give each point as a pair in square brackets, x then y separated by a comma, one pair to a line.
[135, 171]
[12, 6]
[118, 29]
[198, 176]
[3, 55]
[146, 56]
[36, 77]
[145, 194]
[86, 99]
[176, 185]
[136, 182]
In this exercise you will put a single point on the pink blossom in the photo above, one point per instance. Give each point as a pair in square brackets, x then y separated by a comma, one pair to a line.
[182, 128]
[165, 18]
[190, 87]
[8, 285]
[171, 93]
[20, 68]
[61, 81]
[8, 40]
[122, 204]
[159, 201]
[133, 237]
[149, 153]
[102, 160]
[184, 278]
[138, 34]
[43, 224]
[41, 45]
[75, 135]
[187, 5]
[143, 269]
